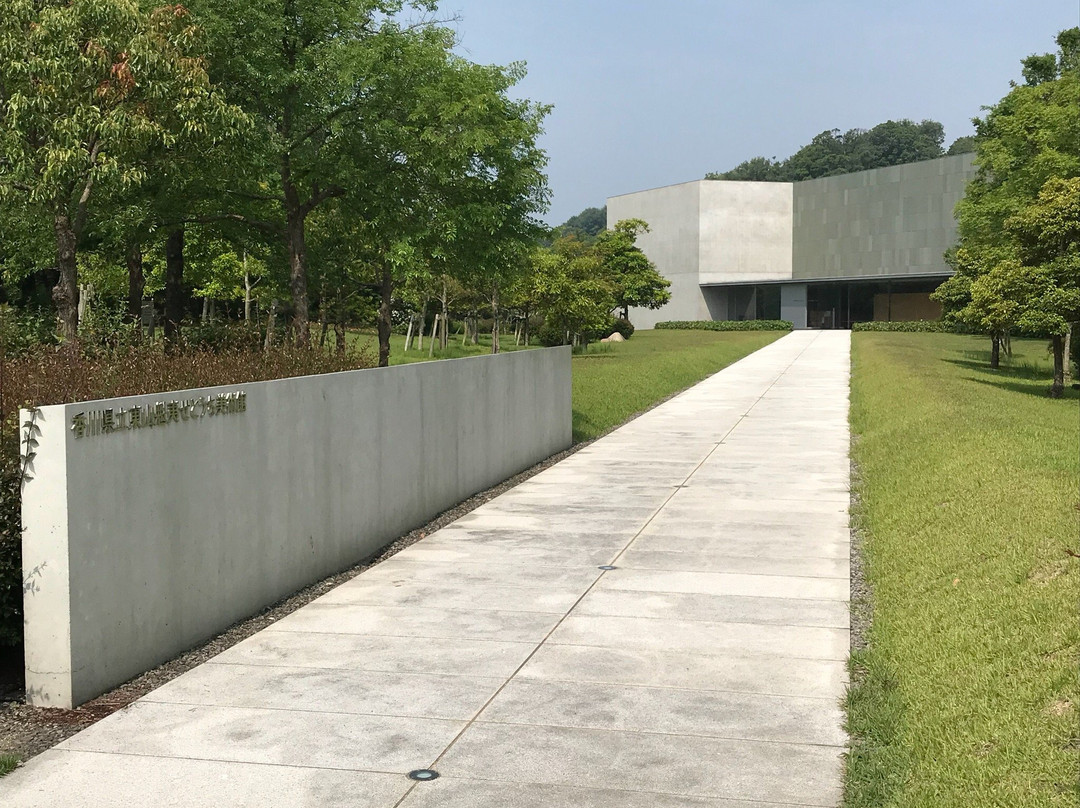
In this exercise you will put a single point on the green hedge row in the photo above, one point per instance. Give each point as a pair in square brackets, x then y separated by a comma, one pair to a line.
[927, 326]
[727, 325]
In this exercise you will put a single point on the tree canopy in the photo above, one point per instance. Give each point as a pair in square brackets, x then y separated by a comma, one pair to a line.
[834, 152]
[1017, 264]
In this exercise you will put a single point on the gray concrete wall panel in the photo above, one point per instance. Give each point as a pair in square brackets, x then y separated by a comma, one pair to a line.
[746, 232]
[888, 221]
[674, 217]
[143, 542]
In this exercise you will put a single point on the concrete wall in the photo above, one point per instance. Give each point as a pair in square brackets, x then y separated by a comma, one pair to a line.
[895, 221]
[673, 214]
[141, 543]
[746, 232]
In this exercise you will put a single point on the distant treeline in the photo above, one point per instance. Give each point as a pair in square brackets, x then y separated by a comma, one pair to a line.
[835, 152]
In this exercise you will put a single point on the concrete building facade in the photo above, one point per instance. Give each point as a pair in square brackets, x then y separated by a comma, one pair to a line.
[822, 253]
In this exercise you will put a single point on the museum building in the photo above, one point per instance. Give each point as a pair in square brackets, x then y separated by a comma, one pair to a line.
[821, 253]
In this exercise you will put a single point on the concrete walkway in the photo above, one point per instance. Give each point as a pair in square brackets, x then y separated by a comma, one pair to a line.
[705, 670]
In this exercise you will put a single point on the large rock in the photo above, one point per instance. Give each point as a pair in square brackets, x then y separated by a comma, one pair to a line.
[616, 337]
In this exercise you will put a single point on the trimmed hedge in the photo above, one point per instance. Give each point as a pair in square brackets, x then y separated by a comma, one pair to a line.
[727, 325]
[908, 326]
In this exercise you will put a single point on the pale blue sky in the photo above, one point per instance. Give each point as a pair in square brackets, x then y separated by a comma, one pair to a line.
[649, 93]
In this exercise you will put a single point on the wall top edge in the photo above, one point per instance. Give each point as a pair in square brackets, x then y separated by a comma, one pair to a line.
[657, 188]
[958, 158]
[219, 389]
[915, 276]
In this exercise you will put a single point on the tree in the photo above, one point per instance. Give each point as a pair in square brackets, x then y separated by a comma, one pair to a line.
[1011, 266]
[86, 88]
[633, 277]
[962, 145]
[1048, 236]
[834, 152]
[308, 73]
[586, 225]
[571, 289]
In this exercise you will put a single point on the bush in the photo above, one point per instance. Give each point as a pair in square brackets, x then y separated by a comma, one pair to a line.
[11, 577]
[222, 335]
[551, 335]
[21, 331]
[623, 326]
[60, 374]
[727, 325]
[907, 326]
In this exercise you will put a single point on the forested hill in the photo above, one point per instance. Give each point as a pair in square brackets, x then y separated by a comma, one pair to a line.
[835, 152]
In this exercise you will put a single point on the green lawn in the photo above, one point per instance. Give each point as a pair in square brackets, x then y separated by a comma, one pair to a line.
[613, 382]
[969, 504]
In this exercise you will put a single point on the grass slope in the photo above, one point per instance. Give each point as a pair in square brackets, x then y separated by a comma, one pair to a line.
[613, 382]
[968, 502]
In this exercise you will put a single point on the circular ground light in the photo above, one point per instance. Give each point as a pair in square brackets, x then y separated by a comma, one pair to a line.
[423, 775]
[607, 567]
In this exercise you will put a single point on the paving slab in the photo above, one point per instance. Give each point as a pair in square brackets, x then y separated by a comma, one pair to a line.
[706, 669]
[701, 669]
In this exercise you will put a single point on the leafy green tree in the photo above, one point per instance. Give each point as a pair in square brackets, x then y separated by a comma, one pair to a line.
[586, 225]
[834, 152]
[634, 279]
[1026, 144]
[87, 87]
[571, 289]
[1048, 236]
[962, 145]
[308, 72]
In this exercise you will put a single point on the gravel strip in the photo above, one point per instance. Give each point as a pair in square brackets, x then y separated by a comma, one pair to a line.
[862, 607]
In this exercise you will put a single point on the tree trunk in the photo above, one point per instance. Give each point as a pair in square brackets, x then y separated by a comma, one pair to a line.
[136, 286]
[443, 305]
[174, 288]
[205, 309]
[296, 244]
[1058, 344]
[1068, 353]
[271, 325]
[995, 352]
[409, 333]
[386, 290]
[434, 330]
[339, 335]
[66, 292]
[495, 319]
[85, 291]
[525, 328]
[247, 291]
[323, 314]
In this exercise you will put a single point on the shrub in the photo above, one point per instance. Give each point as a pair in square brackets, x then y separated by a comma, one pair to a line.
[624, 327]
[23, 330]
[218, 336]
[908, 326]
[551, 335]
[11, 577]
[60, 374]
[727, 325]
